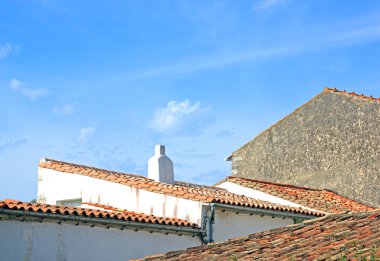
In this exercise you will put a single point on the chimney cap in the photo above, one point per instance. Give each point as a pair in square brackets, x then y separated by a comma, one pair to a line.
[160, 150]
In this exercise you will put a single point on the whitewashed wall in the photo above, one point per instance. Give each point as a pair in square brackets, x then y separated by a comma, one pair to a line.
[32, 241]
[54, 186]
[229, 224]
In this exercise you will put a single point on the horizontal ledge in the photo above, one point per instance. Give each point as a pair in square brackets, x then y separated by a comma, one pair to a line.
[105, 222]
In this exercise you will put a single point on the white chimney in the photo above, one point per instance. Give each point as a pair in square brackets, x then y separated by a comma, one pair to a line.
[160, 167]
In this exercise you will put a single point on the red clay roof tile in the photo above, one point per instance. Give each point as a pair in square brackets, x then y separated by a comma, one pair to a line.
[107, 212]
[191, 191]
[319, 199]
[345, 236]
[353, 94]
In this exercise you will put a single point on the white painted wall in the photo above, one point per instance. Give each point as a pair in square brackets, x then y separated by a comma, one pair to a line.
[29, 241]
[54, 186]
[256, 194]
[229, 224]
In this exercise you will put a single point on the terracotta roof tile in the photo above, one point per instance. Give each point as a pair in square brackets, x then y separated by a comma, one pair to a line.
[338, 236]
[182, 190]
[352, 94]
[319, 199]
[106, 212]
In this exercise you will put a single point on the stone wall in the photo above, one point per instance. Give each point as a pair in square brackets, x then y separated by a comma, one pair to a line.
[331, 142]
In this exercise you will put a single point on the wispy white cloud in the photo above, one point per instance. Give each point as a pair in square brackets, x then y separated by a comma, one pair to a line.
[65, 109]
[310, 42]
[7, 49]
[85, 134]
[174, 115]
[30, 93]
[262, 5]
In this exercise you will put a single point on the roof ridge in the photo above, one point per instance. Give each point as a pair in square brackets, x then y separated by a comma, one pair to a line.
[195, 185]
[177, 182]
[44, 160]
[366, 97]
[279, 184]
[299, 189]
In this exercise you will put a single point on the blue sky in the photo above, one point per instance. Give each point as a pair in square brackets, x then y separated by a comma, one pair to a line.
[101, 82]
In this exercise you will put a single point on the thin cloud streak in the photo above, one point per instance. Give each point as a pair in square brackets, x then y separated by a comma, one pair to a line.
[31, 94]
[309, 44]
[358, 35]
[262, 5]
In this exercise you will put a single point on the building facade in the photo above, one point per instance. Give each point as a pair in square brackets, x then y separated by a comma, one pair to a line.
[331, 142]
[33, 231]
[88, 213]
[220, 213]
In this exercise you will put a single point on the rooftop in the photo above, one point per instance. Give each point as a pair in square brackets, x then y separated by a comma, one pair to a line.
[100, 211]
[182, 190]
[319, 199]
[325, 90]
[350, 235]
[352, 94]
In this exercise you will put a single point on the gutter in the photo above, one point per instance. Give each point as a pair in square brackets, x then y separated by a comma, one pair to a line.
[211, 218]
[121, 224]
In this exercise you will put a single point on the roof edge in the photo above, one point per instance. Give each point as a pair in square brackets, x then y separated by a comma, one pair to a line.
[325, 90]
[46, 160]
[293, 186]
[29, 210]
[278, 184]
[103, 221]
[278, 122]
[353, 94]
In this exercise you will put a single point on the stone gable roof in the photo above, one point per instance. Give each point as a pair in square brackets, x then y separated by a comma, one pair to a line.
[346, 236]
[319, 199]
[325, 91]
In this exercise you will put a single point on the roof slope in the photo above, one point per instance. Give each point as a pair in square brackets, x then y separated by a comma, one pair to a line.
[107, 213]
[190, 191]
[332, 237]
[325, 90]
[319, 199]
